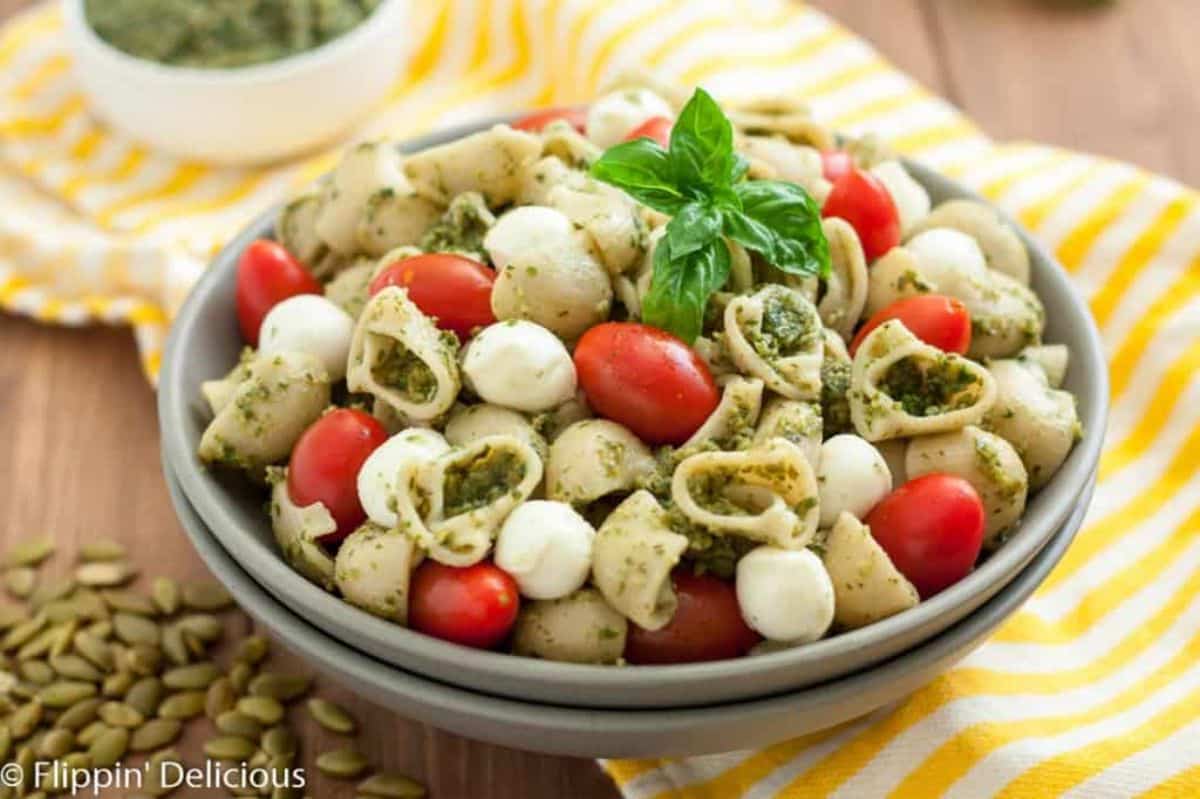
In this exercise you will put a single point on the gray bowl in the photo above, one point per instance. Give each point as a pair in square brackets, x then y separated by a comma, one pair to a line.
[205, 343]
[589, 732]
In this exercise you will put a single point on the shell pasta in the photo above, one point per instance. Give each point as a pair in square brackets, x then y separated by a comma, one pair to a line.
[588, 392]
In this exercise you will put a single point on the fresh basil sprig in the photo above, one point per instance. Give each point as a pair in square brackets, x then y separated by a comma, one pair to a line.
[698, 180]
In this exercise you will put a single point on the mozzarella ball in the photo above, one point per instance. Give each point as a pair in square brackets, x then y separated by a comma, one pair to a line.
[547, 548]
[377, 477]
[614, 116]
[852, 476]
[309, 323]
[951, 260]
[530, 227]
[785, 594]
[911, 199]
[520, 365]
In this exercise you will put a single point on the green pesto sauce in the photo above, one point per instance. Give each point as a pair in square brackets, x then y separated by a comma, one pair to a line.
[461, 229]
[399, 368]
[835, 405]
[929, 391]
[221, 34]
[787, 328]
[476, 483]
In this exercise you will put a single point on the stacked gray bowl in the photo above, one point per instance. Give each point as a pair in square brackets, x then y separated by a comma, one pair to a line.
[595, 710]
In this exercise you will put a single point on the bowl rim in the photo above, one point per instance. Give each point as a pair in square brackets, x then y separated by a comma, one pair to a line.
[567, 730]
[280, 69]
[207, 496]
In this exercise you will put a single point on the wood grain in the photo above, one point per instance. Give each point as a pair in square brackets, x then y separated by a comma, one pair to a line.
[79, 454]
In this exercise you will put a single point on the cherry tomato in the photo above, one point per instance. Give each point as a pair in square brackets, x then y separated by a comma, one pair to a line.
[325, 463]
[267, 274]
[646, 379]
[576, 117]
[453, 289]
[936, 319]
[656, 128]
[835, 164]
[932, 529]
[707, 625]
[473, 606]
[863, 201]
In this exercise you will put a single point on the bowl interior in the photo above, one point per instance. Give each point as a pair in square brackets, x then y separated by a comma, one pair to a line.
[623, 733]
[205, 342]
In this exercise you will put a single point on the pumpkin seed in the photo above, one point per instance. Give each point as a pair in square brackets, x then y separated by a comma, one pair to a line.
[25, 720]
[94, 649]
[262, 709]
[115, 685]
[109, 747]
[106, 574]
[284, 687]
[231, 722]
[344, 764]
[194, 677]
[20, 582]
[166, 594]
[124, 601]
[51, 591]
[392, 786]
[23, 633]
[280, 742]
[79, 715]
[64, 693]
[134, 629]
[154, 734]
[229, 747]
[25, 759]
[91, 604]
[146, 695]
[100, 629]
[206, 627]
[183, 706]
[252, 650]
[240, 676]
[74, 667]
[206, 596]
[104, 549]
[90, 733]
[30, 552]
[55, 744]
[5, 742]
[45, 642]
[61, 610]
[175, 648]
[332, 717]
[36, 671]
[144, 659]
[11, 616]
[119, 714]
[219, 698]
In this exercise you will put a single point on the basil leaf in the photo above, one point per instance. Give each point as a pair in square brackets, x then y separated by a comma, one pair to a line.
[701, 148]
[643, 170]
[694, 226]
[681, 287]
[782, 223]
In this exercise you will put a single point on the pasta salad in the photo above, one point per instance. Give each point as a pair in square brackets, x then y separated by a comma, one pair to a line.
[653, 381]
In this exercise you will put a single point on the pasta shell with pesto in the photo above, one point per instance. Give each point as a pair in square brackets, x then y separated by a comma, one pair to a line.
[901, 386]
[578, 628]
[632, 558]
[798, 422]
[489, 162]
[400, 357]
[846, 288]
[767, 493]
[867, 586]
[278, 398]
[731, 423]
[1042, 423]
[783, 115]
[394, 216]
[775, 335]
[366, 169]
[776, 158]
[594, 458]
[372, 570]
[298, 531]
[296, 227]
[469, 423]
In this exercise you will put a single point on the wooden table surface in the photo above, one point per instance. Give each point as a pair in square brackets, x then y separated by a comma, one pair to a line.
[78, 433]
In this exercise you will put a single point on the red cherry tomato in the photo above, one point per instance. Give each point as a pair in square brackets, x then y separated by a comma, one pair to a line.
[932, 529]
[453, 289]
[656, 128]
[863, 201]
[707, 625]
[473, 606]
[646, 379]
[940, 321]
[325, 464]
[267, 274]
[835, 164]
[576, 117]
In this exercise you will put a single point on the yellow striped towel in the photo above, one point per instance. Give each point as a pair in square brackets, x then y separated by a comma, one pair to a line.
[1093, 690]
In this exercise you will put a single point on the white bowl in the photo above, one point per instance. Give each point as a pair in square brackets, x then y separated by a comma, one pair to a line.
[248, 114]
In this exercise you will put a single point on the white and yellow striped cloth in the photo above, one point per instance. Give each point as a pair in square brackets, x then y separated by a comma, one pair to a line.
[1093, 690]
